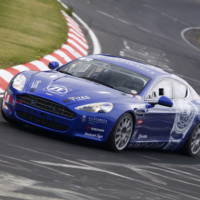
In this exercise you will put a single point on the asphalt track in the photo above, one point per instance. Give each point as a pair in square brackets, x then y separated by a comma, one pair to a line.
[39, 165]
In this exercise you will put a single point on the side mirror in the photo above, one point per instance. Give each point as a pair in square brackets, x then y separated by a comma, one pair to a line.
[53, 65]
[165, 101]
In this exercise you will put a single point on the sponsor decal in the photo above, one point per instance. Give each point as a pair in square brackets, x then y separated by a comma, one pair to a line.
[142, 136]
[57, 89]
[79, 98]
[148, 145]
[93, 135]
[95, 120]
[97, 129]
[184, 118]
[35, 85]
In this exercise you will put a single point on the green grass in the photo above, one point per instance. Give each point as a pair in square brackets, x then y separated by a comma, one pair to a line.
[29, 29]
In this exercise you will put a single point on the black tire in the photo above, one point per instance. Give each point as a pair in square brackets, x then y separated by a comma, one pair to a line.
[192, 146]
[121, 134]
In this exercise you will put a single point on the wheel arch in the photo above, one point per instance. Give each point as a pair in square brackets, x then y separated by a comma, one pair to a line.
[133, 116]
[108, 141]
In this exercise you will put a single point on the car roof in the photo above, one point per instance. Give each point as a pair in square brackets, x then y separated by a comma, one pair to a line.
[147, 70]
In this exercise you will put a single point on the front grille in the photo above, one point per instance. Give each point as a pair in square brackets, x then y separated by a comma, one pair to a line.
[45, 105]
[41, 121]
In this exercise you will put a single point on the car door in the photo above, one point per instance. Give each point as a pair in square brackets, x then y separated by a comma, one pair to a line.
[158, 121]
[185, 110]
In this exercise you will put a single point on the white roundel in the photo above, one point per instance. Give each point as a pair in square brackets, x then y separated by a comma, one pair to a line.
[57, 89]
[184, 117]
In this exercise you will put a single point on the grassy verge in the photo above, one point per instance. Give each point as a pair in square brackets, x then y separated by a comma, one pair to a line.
[29, 29]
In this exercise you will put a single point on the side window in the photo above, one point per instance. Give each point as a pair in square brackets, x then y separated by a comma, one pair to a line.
[180, 90]
[162, 88]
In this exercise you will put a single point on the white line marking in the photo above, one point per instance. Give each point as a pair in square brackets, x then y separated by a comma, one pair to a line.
[155, 179]
[188, 42]
[32, 163]
[173, 18]
[65, 6]
[112, 17]
[95, 41]
[124, 21]
[13, 186]
[106, 14]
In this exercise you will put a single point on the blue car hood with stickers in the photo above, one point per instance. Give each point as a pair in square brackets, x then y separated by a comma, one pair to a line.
[66, 89]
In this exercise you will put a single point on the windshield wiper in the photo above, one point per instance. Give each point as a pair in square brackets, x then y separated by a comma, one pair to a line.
[97, 81]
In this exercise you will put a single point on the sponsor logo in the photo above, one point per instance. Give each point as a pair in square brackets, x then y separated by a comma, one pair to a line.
[97, 129]
[95, 120]
[79, 98]
[57, 89]
[35, 85]
[140, 136]
[93, 135]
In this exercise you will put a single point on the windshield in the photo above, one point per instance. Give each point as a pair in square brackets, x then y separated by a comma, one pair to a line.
[107, 74]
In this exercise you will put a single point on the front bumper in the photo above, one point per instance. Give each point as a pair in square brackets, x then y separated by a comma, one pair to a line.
[90, 126]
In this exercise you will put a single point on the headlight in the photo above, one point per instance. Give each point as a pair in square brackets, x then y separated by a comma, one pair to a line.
[19, 82]
[102, 107]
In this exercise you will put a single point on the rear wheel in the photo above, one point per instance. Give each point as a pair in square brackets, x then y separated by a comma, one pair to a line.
[192, 146]
[122, 133]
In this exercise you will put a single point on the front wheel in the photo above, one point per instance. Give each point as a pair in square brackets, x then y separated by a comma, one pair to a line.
[192, 146]
[122, 133]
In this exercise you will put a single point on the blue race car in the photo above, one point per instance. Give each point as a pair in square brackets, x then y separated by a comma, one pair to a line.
[110, 100]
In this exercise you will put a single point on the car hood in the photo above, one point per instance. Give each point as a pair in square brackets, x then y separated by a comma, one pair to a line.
[68, 89]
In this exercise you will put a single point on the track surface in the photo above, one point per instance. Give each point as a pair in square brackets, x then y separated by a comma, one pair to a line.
[37, 165]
